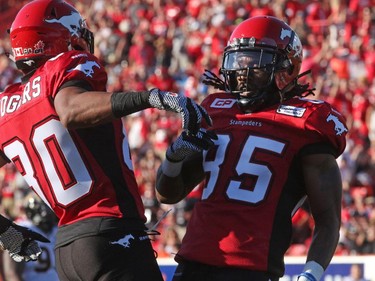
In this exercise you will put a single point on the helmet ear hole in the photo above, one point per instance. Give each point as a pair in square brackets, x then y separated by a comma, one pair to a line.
[289, 66]
[284, 64]
[53, 13]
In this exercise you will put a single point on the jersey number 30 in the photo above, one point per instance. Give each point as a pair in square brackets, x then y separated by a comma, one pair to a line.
[62, 163]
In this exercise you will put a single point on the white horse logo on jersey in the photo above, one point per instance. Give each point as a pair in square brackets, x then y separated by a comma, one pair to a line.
[71, 22]
[125, 241]
[339, 127]
[87, 68]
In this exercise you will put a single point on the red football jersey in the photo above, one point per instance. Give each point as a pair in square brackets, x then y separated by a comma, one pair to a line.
[79, 173]
[254, 180]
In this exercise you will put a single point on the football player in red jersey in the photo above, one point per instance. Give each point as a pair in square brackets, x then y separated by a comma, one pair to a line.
[64, 133]
[269, 148]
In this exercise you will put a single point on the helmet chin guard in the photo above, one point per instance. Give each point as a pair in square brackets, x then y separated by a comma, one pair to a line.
[258, 101]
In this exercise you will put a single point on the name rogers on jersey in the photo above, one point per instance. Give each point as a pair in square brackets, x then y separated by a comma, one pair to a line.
[9, 104]
[32, 89]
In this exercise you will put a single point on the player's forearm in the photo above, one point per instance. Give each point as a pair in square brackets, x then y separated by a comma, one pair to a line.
[87, 109]
[323, 186]
[323, 245]
[325, 238]
[175, 180]
[78, 108]
[169, 190]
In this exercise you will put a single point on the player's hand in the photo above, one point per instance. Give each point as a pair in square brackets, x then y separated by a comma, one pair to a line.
[191, 113]
[21, 243]
[187, 144]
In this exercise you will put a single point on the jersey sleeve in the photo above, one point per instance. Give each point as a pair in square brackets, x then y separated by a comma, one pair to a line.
[76, 68]
[330, 126]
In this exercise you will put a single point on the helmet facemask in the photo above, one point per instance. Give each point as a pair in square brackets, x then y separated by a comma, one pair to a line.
[85, 39]
[249, 74]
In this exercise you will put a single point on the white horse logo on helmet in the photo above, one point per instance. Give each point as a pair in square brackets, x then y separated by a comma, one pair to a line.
[285, 33]
[71, 22]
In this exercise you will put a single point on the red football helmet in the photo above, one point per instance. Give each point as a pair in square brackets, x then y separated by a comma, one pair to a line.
[261, 61]
[45, 28]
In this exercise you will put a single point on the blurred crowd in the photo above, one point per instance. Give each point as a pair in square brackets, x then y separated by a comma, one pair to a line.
[169, 43]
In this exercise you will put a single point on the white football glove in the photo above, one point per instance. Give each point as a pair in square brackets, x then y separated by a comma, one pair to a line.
[21, 243]
[191, 113]
[187, 144]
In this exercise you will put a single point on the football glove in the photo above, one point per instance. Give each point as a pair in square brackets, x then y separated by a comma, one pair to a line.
[191, 112]
[187, 144]
[21, 243]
